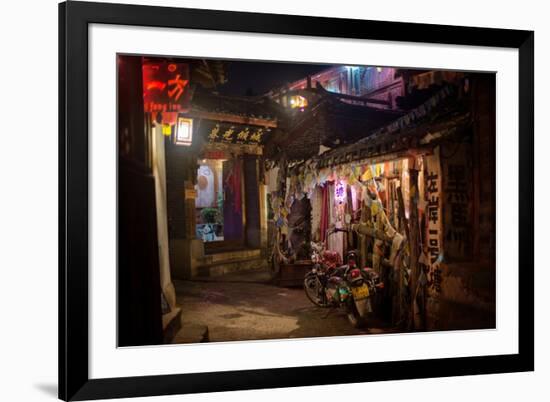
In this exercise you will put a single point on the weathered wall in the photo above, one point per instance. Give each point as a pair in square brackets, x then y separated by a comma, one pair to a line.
[458, 199]
[464, 295]
[483, 111]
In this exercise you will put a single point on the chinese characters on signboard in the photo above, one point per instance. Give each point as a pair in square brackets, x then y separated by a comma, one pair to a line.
[165, 86]
[432, 179]
[457, 199]
[234, 133]
[457, 195]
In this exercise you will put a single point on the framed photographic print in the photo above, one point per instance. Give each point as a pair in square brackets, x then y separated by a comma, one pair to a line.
[258, 200]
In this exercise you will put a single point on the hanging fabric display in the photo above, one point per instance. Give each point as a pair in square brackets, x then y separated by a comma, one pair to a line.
[316, 199]
[272, 175]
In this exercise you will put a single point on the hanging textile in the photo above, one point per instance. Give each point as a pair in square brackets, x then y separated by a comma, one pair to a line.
[335, 240]
[325, 213]
[232, 204]
[233, 185]
[272, 177]
[405, 185]
[316, 208]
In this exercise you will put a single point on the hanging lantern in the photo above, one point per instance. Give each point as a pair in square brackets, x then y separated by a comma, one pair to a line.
[184, 131]
[340, 192]
[167, 130]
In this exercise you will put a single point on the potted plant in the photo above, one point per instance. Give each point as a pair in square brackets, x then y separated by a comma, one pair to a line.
[210, 215]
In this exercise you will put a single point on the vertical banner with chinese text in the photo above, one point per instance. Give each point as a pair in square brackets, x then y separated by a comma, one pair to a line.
[433, 205]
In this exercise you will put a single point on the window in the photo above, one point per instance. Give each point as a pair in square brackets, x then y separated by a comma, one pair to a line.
[298, 101]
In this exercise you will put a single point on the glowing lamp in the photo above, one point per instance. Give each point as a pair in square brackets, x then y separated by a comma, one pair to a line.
[184, 131]
[298, 101]
[167, 130]
[340, 192]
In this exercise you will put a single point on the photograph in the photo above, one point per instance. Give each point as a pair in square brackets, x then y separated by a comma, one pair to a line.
[275, 201]
[270, 199]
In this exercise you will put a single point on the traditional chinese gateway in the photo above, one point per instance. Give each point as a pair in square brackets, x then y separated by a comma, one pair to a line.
[214, 184]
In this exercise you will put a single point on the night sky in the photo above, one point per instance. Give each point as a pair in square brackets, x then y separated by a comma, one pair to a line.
[257, 78]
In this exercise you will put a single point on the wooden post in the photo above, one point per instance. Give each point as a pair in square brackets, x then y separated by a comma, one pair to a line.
[413, 240]
[476, 178]
[277, 257]
[401, 210]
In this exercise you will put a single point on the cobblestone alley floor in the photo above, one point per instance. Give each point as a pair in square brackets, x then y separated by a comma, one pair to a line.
[236, 309]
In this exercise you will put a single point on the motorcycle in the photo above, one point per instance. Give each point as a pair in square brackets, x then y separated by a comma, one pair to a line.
[332, 284]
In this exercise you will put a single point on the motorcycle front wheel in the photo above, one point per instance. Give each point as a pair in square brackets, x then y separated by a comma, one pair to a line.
[314, 290]
[354, 317]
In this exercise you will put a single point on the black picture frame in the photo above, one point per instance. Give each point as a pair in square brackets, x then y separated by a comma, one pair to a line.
[74, 18]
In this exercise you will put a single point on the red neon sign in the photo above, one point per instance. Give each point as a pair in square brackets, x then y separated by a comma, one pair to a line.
[165, 86]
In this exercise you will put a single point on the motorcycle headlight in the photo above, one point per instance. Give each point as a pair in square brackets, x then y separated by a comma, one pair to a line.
[344, 293]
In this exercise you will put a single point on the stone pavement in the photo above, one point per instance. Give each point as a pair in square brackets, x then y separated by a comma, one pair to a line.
[246, 306]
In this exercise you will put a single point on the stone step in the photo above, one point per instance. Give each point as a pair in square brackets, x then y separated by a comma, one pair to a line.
[171, 324]
[220, 268]
[228, 256]
[190, 333]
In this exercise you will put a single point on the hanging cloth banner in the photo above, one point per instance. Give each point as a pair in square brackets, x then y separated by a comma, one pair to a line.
[367, 175]
[432, 181]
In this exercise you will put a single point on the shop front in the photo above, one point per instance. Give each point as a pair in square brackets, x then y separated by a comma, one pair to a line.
[405, 203]
[216, 188]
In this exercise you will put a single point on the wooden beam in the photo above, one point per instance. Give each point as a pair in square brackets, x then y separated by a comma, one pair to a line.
[365, 230]
[232, 118]
[401, 309]
[414, 241]
[354, 98]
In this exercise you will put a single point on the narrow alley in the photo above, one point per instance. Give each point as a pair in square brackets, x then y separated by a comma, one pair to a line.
[241, 307]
